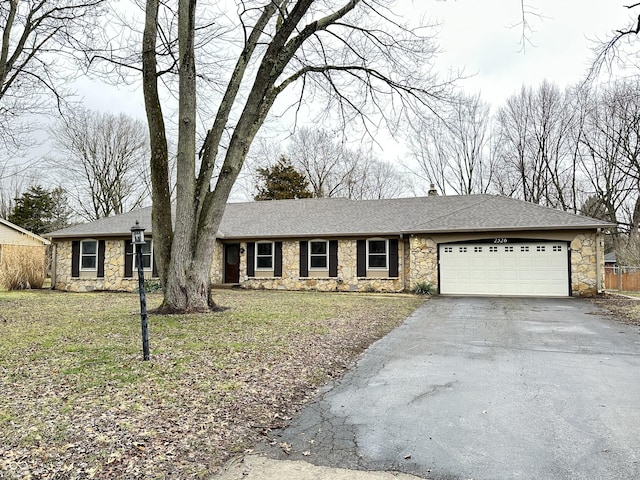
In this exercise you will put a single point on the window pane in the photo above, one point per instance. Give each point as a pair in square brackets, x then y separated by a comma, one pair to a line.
[145, 248]
[89, 248]
[377, 246]
[378, 261]
[146, 261]
[264, 248]
[318, 248]
[264, 262]
[319, 262]
[89, 262]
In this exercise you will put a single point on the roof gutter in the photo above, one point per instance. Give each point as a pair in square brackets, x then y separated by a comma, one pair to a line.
[222, 236]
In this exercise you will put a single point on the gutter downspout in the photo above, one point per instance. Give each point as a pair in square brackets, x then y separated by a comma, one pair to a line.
[54, 264]
[598, 272]
[402, 272]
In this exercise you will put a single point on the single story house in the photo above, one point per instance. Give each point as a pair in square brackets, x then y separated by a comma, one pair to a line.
[461, 245]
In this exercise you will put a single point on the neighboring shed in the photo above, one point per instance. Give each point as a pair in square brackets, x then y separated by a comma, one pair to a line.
[610, 260]
[23, 257]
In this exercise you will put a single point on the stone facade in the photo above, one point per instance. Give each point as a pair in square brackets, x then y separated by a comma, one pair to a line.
[89, 281]
[423, 251]
[346, 281]
[584, 258]
[418, 258]
[423, 261]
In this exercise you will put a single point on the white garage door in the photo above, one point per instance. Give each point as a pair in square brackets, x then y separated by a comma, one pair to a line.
[511, 268]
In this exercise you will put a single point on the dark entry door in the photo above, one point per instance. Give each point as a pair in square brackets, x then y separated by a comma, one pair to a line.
[232, 263]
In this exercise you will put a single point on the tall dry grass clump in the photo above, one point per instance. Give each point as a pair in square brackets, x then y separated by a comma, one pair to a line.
[22, 266]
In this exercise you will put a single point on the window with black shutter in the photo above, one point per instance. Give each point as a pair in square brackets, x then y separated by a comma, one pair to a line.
[393, 257]
[361, 258]
[101, 253]
[277, 259]
[251, 251]
[75, 258]
[304, 258]
[333, 258]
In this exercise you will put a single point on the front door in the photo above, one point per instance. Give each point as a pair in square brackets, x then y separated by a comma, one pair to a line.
[232, 263]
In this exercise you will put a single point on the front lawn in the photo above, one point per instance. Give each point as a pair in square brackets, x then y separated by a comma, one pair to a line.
[78, 402]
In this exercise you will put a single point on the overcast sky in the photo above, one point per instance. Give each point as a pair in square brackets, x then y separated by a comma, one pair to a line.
[483, 38]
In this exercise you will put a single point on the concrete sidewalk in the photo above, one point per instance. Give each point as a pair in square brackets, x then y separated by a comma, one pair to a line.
[255, 467]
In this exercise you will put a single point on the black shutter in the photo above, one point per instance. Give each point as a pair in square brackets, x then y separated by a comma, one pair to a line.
[154, 268]
[101, 248]
[277, 259]
[361, 256]
[304, 258]
[333, 258]
[75, 258]
[251, 257]
[128, 259]
[393, 257]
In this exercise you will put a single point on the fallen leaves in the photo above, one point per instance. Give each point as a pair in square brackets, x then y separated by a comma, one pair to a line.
[624, 309]
[77, 402]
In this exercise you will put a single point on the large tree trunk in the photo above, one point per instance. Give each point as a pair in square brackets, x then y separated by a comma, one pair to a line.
[184, 250]
[159, 161]
[188, 279]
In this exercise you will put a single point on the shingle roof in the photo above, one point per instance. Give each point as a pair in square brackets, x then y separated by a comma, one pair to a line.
[15, 227]
[343, 217]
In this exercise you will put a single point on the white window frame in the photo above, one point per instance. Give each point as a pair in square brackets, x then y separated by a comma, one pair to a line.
[386, 254]
[88, 255]
[134, 260]
[317, 255]
[258, 256]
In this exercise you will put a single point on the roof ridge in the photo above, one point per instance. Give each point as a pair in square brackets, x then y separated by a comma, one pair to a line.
[484, 197]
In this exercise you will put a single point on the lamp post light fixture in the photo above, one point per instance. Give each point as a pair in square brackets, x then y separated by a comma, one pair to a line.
[137, 239]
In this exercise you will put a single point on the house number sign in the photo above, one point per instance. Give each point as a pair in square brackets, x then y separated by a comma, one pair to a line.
[501, 240]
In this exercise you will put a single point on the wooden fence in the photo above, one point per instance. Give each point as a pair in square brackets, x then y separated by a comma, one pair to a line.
[623, 279]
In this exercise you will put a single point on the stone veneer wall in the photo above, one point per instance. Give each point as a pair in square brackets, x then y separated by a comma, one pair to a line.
[346, 281]
[423, 258]
[584, 274]
[113, 270]
[424, 262]
[420, 265]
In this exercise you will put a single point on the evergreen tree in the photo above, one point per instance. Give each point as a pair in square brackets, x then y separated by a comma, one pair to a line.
[282, 181]
[41, 211]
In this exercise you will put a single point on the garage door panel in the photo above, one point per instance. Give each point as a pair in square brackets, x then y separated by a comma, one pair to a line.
[531, 268]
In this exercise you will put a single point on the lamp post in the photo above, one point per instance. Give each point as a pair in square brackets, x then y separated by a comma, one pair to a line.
[137, 239]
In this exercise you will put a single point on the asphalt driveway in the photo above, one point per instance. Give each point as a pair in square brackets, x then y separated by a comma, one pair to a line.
[484, 388]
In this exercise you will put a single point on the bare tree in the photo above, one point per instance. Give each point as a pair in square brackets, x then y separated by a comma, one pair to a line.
[324, 159]
[336, 170]
[610, 156]
[535, 153]
[332, 168]
[40, 40]
[450, 148]
[618, 48]
[350, 54]
[374, 179]
[102, 162]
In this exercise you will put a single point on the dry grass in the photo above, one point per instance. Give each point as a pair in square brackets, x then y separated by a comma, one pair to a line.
[78, 402]
[625, 308]
[22, 267]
